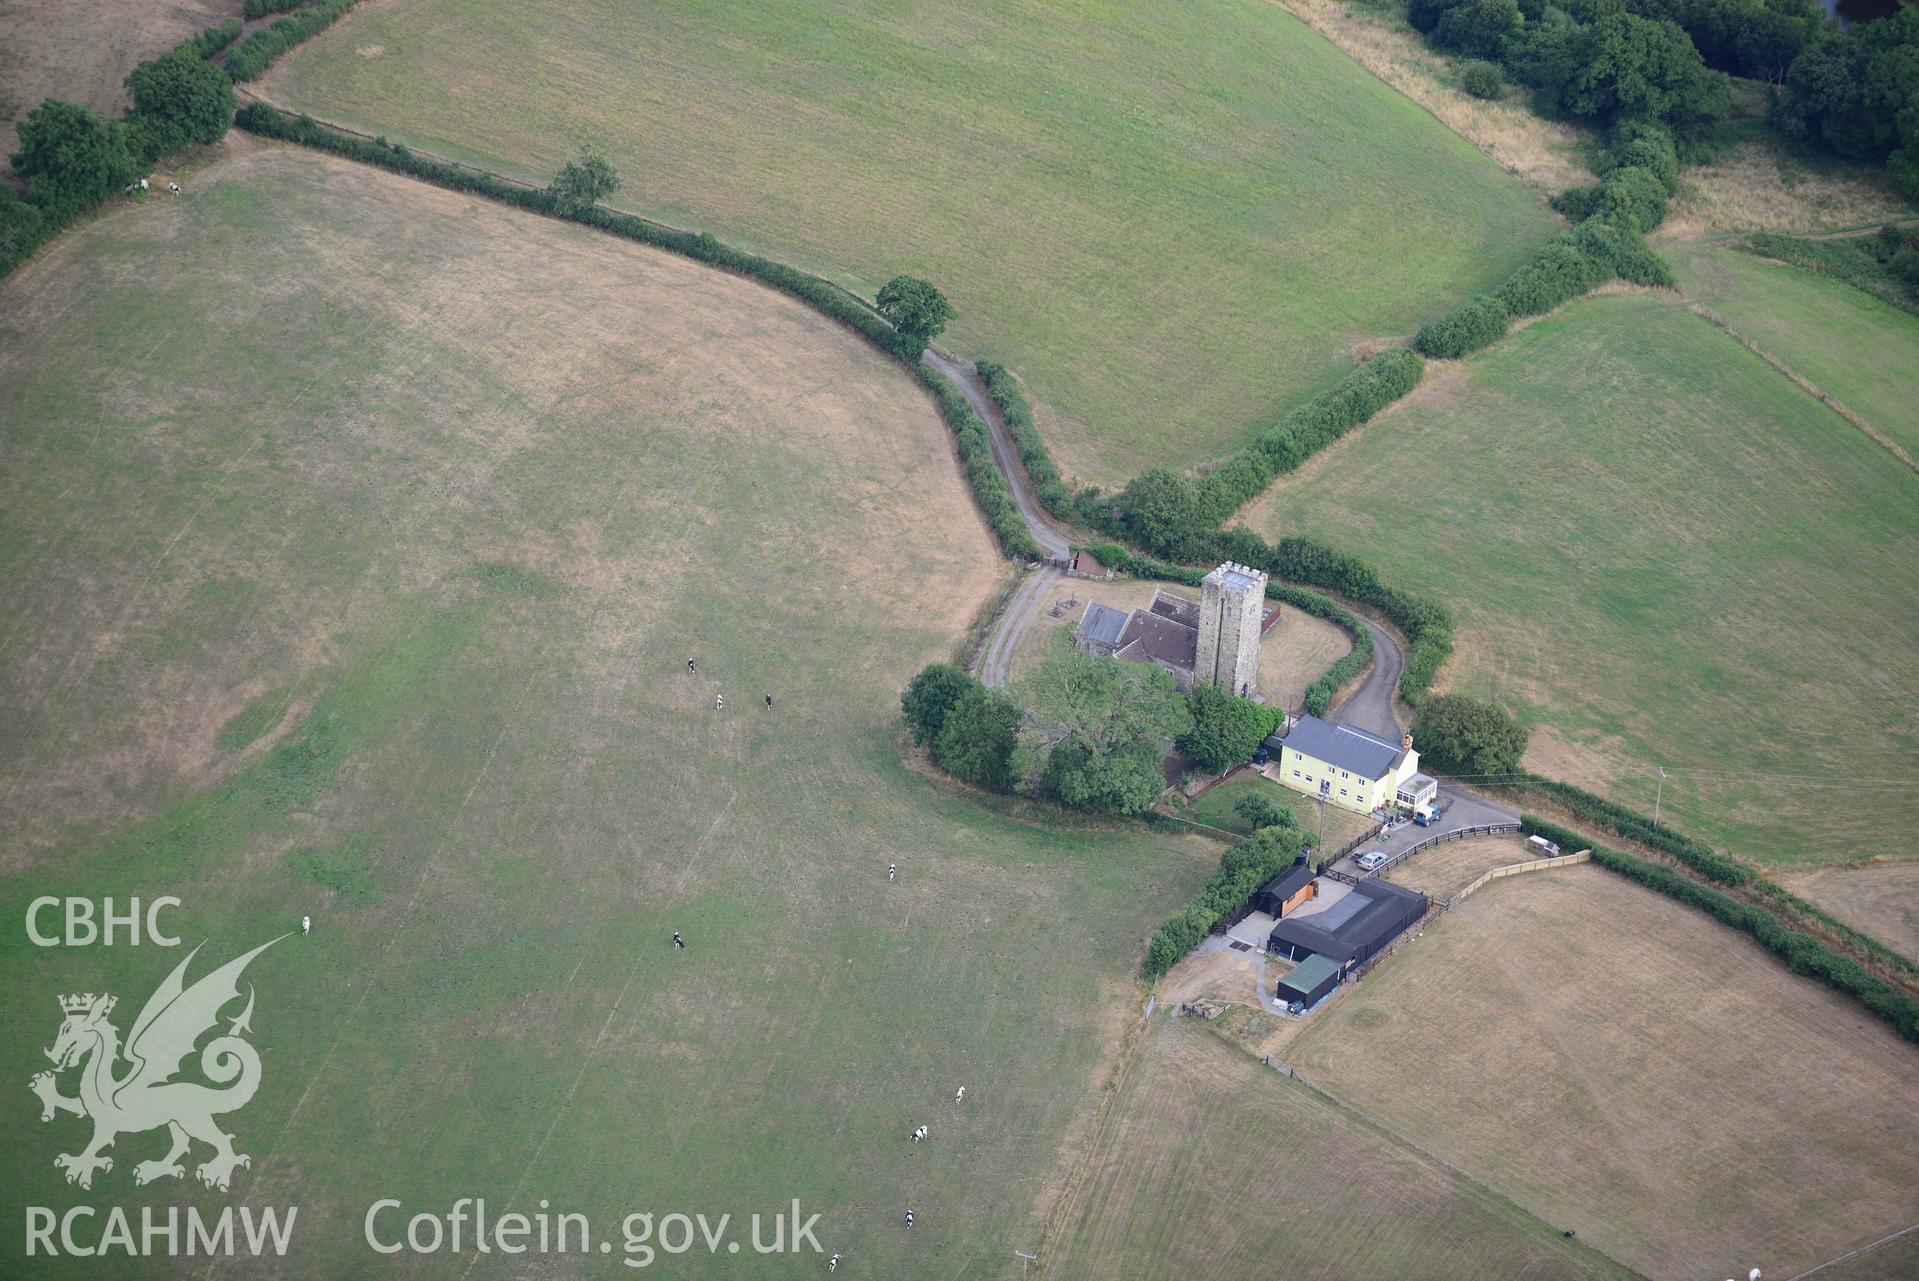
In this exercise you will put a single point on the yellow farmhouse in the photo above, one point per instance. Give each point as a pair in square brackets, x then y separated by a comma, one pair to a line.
[1350, 768]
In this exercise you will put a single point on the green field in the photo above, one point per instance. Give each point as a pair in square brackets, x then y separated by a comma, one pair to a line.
[355, 535]
[1212, 1165]
[1170, 220]
[1850, 345]
[1661, 552]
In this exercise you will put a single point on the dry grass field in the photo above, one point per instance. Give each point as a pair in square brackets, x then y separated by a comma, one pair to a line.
[1896, 1260]
[1758, 185]
[1542, 153]
[1621, 1065]
[1211, 1165]
[1294, 654]
[1444, 870]
[1881, 898]
[354, 536]
[82, 52]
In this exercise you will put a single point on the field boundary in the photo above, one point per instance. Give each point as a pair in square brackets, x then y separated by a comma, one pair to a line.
[1518, 869]
[1805, 384]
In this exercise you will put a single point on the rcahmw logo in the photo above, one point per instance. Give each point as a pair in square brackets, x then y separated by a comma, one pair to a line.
[130, 1087]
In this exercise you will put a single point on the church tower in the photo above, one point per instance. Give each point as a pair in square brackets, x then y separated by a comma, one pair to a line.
[1232, 606]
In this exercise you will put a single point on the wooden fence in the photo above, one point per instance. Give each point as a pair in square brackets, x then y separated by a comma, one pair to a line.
[1537, 865]
[1458, 834]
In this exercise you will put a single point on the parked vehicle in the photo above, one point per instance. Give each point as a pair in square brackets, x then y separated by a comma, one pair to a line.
[1540, 845]
[1371, 859]
[1426, 815]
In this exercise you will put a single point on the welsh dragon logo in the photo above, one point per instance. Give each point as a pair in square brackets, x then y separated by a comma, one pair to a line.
[144, 1096]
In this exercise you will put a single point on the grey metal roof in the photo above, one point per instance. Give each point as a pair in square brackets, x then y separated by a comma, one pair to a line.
[1345, 747]
[1311, 972]
[1102, 623]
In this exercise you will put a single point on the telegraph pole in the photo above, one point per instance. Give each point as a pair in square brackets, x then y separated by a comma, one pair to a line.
[1659, 796]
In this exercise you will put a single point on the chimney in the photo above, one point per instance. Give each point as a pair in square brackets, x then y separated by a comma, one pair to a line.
[1406, 742]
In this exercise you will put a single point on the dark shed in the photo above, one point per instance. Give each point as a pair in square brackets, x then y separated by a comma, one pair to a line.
[1354, 928]
[1311, 979]
[1276, 894]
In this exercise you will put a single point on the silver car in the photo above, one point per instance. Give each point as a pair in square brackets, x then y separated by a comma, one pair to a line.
[1371, 859]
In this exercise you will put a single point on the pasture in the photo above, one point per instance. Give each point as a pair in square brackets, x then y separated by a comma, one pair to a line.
[1172, 221]
[1661, 553]
[355, 537]
[1852, 346]
[1623, 1066]
[1880, 898]
[1210, 1164]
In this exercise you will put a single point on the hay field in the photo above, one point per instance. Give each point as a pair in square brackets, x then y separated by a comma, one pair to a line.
[1170, 220]
[1661, 552]
[1851, 345]
[1880, 898]
[1445, 869]
[355, 537]
[1211, 1165]
[82, 53]
[1621, 1065]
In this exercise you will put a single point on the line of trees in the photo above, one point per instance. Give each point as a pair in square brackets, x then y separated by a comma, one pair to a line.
[72, 158]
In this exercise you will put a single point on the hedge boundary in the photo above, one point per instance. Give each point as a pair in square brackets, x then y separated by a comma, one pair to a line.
[1243, 869]
[1723, 869]
[263, 48]
[1802, 953]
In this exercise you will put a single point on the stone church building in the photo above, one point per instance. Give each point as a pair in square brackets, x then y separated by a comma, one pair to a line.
[1212, 641]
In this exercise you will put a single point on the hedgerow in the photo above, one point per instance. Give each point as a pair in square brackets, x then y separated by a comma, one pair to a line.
[1625, 821]
[1305, 431]
[1630, 197]
[1018, 416]
[213, 39]
[259, 50]
[261, 8]
[1476, 323]
[1803, 953]
[988, 483]
[1243, 869]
